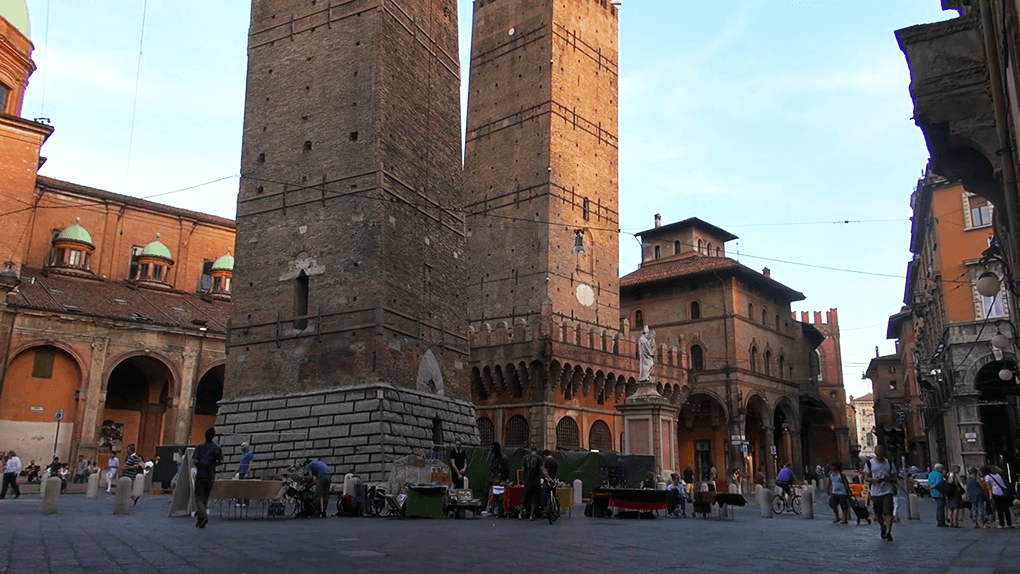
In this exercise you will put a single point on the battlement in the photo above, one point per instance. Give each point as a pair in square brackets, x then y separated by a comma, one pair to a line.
[608, 5]
[831, 318]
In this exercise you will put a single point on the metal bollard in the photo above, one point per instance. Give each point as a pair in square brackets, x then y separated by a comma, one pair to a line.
[122, 499]
[913, 507]
[578, 495]
[92, 491]
[766, 503]
[49, 503]
[808, 500]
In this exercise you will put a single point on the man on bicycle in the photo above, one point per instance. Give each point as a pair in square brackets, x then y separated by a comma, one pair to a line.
[534, 470]
[785, 481]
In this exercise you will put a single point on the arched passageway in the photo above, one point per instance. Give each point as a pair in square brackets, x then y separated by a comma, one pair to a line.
[701, 436]
[207, 397]
[137, 397]
[1000, 404]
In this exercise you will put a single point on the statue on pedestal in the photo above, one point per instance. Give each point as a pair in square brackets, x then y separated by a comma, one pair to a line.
[646, 354]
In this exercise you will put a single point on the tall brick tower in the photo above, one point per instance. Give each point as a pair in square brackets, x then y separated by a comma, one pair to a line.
[550, 358]
[541, 162]
[350, 251]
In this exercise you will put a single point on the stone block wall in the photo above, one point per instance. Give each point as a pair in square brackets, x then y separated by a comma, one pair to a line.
[364, 429]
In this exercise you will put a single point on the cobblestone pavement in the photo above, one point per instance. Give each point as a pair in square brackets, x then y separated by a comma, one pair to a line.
[86, 537]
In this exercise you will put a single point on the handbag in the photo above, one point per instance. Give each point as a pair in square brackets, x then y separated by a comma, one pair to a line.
[945, 488]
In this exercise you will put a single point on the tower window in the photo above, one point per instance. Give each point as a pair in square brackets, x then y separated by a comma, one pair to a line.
[658, 252]
[676, 247]
[262, 158]
[639, 320]
[695, 310]
[301, 301]
[587, 209]
[308, 145]
[697, 358]
[354, 135]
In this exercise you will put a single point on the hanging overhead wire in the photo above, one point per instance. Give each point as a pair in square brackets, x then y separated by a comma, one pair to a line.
[134, 105]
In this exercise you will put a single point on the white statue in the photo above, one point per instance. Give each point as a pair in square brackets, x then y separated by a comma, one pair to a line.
[646, 354]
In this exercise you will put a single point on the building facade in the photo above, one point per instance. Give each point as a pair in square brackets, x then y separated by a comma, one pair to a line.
[864, 421]
[756, 399]
[114, 309]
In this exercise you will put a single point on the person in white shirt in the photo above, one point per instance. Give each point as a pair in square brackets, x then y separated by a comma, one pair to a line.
[11, 470]
[111, 472]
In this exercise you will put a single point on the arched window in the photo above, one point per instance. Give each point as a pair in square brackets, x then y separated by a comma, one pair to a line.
[754, 359]
[486, 431]
[764, 316]
[708, 249]
[768, 363]
[778, 324]
[782, 366]
[658, 252]
[750, 311]
[567, 434]
[718, 252]
[516, 432]
[697, 358]
[639, 320]
[701, 246]
[695, 310]
[676, 247]
[600, 437]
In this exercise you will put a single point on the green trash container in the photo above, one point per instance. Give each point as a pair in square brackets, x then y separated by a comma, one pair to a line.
[425, 500]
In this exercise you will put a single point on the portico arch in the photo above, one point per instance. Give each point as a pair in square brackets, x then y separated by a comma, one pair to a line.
[138, 392]
[207, 397]
[785, 434]
[759, 439]
[701, 434]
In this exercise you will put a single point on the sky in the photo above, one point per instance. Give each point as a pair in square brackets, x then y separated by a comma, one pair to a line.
[787, 123]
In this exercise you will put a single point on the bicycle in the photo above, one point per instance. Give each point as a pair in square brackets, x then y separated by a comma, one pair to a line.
[552, 506]
[780, 504]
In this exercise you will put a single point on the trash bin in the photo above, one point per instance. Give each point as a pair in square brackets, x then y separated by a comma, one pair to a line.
[425, 500]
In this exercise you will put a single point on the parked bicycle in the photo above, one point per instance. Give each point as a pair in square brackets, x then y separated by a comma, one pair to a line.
[551, 506]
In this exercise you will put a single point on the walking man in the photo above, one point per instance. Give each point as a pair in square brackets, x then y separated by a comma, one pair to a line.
[81, 470]
[934, 478]
[881, 475]
[11, 470]
[206, 458]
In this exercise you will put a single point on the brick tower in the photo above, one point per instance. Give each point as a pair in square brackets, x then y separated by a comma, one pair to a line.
[350, 251]
[549, 356]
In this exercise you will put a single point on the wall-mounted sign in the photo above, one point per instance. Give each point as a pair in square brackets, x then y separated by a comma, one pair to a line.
[970, 436]
[36, 410]
[773, 449]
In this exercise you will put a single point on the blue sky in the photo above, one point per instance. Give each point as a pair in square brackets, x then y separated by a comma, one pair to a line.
[770, 119]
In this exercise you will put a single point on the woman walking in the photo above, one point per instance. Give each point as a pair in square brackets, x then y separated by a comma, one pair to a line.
[839, 492]
[955, 502]
[976, 494]
[1000, 496]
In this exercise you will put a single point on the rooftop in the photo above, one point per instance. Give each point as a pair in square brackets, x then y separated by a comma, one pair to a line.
[689, 222]
[652, 272]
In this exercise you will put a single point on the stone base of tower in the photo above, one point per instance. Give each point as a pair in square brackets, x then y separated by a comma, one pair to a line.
[362, 429]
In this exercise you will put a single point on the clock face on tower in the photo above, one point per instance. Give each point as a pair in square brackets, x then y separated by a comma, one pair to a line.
[585, 295]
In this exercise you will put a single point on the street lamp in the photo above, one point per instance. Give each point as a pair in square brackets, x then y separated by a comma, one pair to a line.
[988, 284]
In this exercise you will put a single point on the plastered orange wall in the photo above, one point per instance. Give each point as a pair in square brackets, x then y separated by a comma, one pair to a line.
[21, 390]
[956, 244]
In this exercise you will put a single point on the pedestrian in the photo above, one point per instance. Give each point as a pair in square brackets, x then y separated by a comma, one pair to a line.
[81, 470]
[954, 502]
[132, 466]
[935, 477]
[534, 471]
[736, 479]
[976, 494]
[713, 475]
[112, 467]
[689, 475]
[323, 478]
[499, 472]
[11, 469]
[759, 477]
[677, 495]
[206, 458]
[880, 473]
[552, 466]
[839, 492]
[1001, 496]
[458, 464]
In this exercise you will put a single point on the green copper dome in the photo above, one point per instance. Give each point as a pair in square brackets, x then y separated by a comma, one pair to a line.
[16, 12]
[226, 262]
[76, 233]
[157, 249]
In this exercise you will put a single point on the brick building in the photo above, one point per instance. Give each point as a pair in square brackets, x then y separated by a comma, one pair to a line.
[115, 308]
[758, 377]
[348, 333]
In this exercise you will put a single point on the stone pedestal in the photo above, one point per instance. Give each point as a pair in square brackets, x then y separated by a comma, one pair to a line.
[649, 426]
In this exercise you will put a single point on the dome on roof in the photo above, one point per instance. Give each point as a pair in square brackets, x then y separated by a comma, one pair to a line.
[16, 12]
[76, 233]
[224, 262]
[157, 249]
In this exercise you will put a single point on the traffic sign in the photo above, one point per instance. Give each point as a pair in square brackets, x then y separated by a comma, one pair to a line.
[59, 415]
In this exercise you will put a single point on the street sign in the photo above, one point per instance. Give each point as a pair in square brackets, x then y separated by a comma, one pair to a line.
[36, 410]
[743, 448]
[901, 416]
[59, 415]
[773, 449]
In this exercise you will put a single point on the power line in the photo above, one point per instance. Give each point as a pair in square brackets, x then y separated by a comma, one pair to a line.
[134, 104]
[190, 187]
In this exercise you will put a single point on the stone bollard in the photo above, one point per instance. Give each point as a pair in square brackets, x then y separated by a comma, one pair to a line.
[578, 494]
[138, 487]
[660, 486]
[724, 511]
[467, 484]
[766, 503]
[913, 507]
[42, 488]
[735, 489]
[49, 503]
[92, 491]
[122, 499]
[758, 494]
[147, 482]
[808, 503]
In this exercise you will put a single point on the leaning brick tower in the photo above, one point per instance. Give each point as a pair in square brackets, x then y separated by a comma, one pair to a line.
[550, 359]
[347, 338]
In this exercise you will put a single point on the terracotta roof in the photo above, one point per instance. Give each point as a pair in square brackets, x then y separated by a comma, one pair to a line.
[689, 222]
[688, 267]
[867, 397]
[118, 300]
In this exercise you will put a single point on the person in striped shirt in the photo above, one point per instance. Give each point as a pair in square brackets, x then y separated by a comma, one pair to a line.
[132, 466]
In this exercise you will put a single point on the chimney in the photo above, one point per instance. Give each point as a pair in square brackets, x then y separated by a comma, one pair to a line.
[876, 351]
[767, 272]
[658, 220]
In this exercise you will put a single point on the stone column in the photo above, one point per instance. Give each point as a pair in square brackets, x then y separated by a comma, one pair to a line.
[796, 457]
[971, 429]
[842, 444]
[735, 458]
[95, 397]
[767, 459]
[183, 402]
